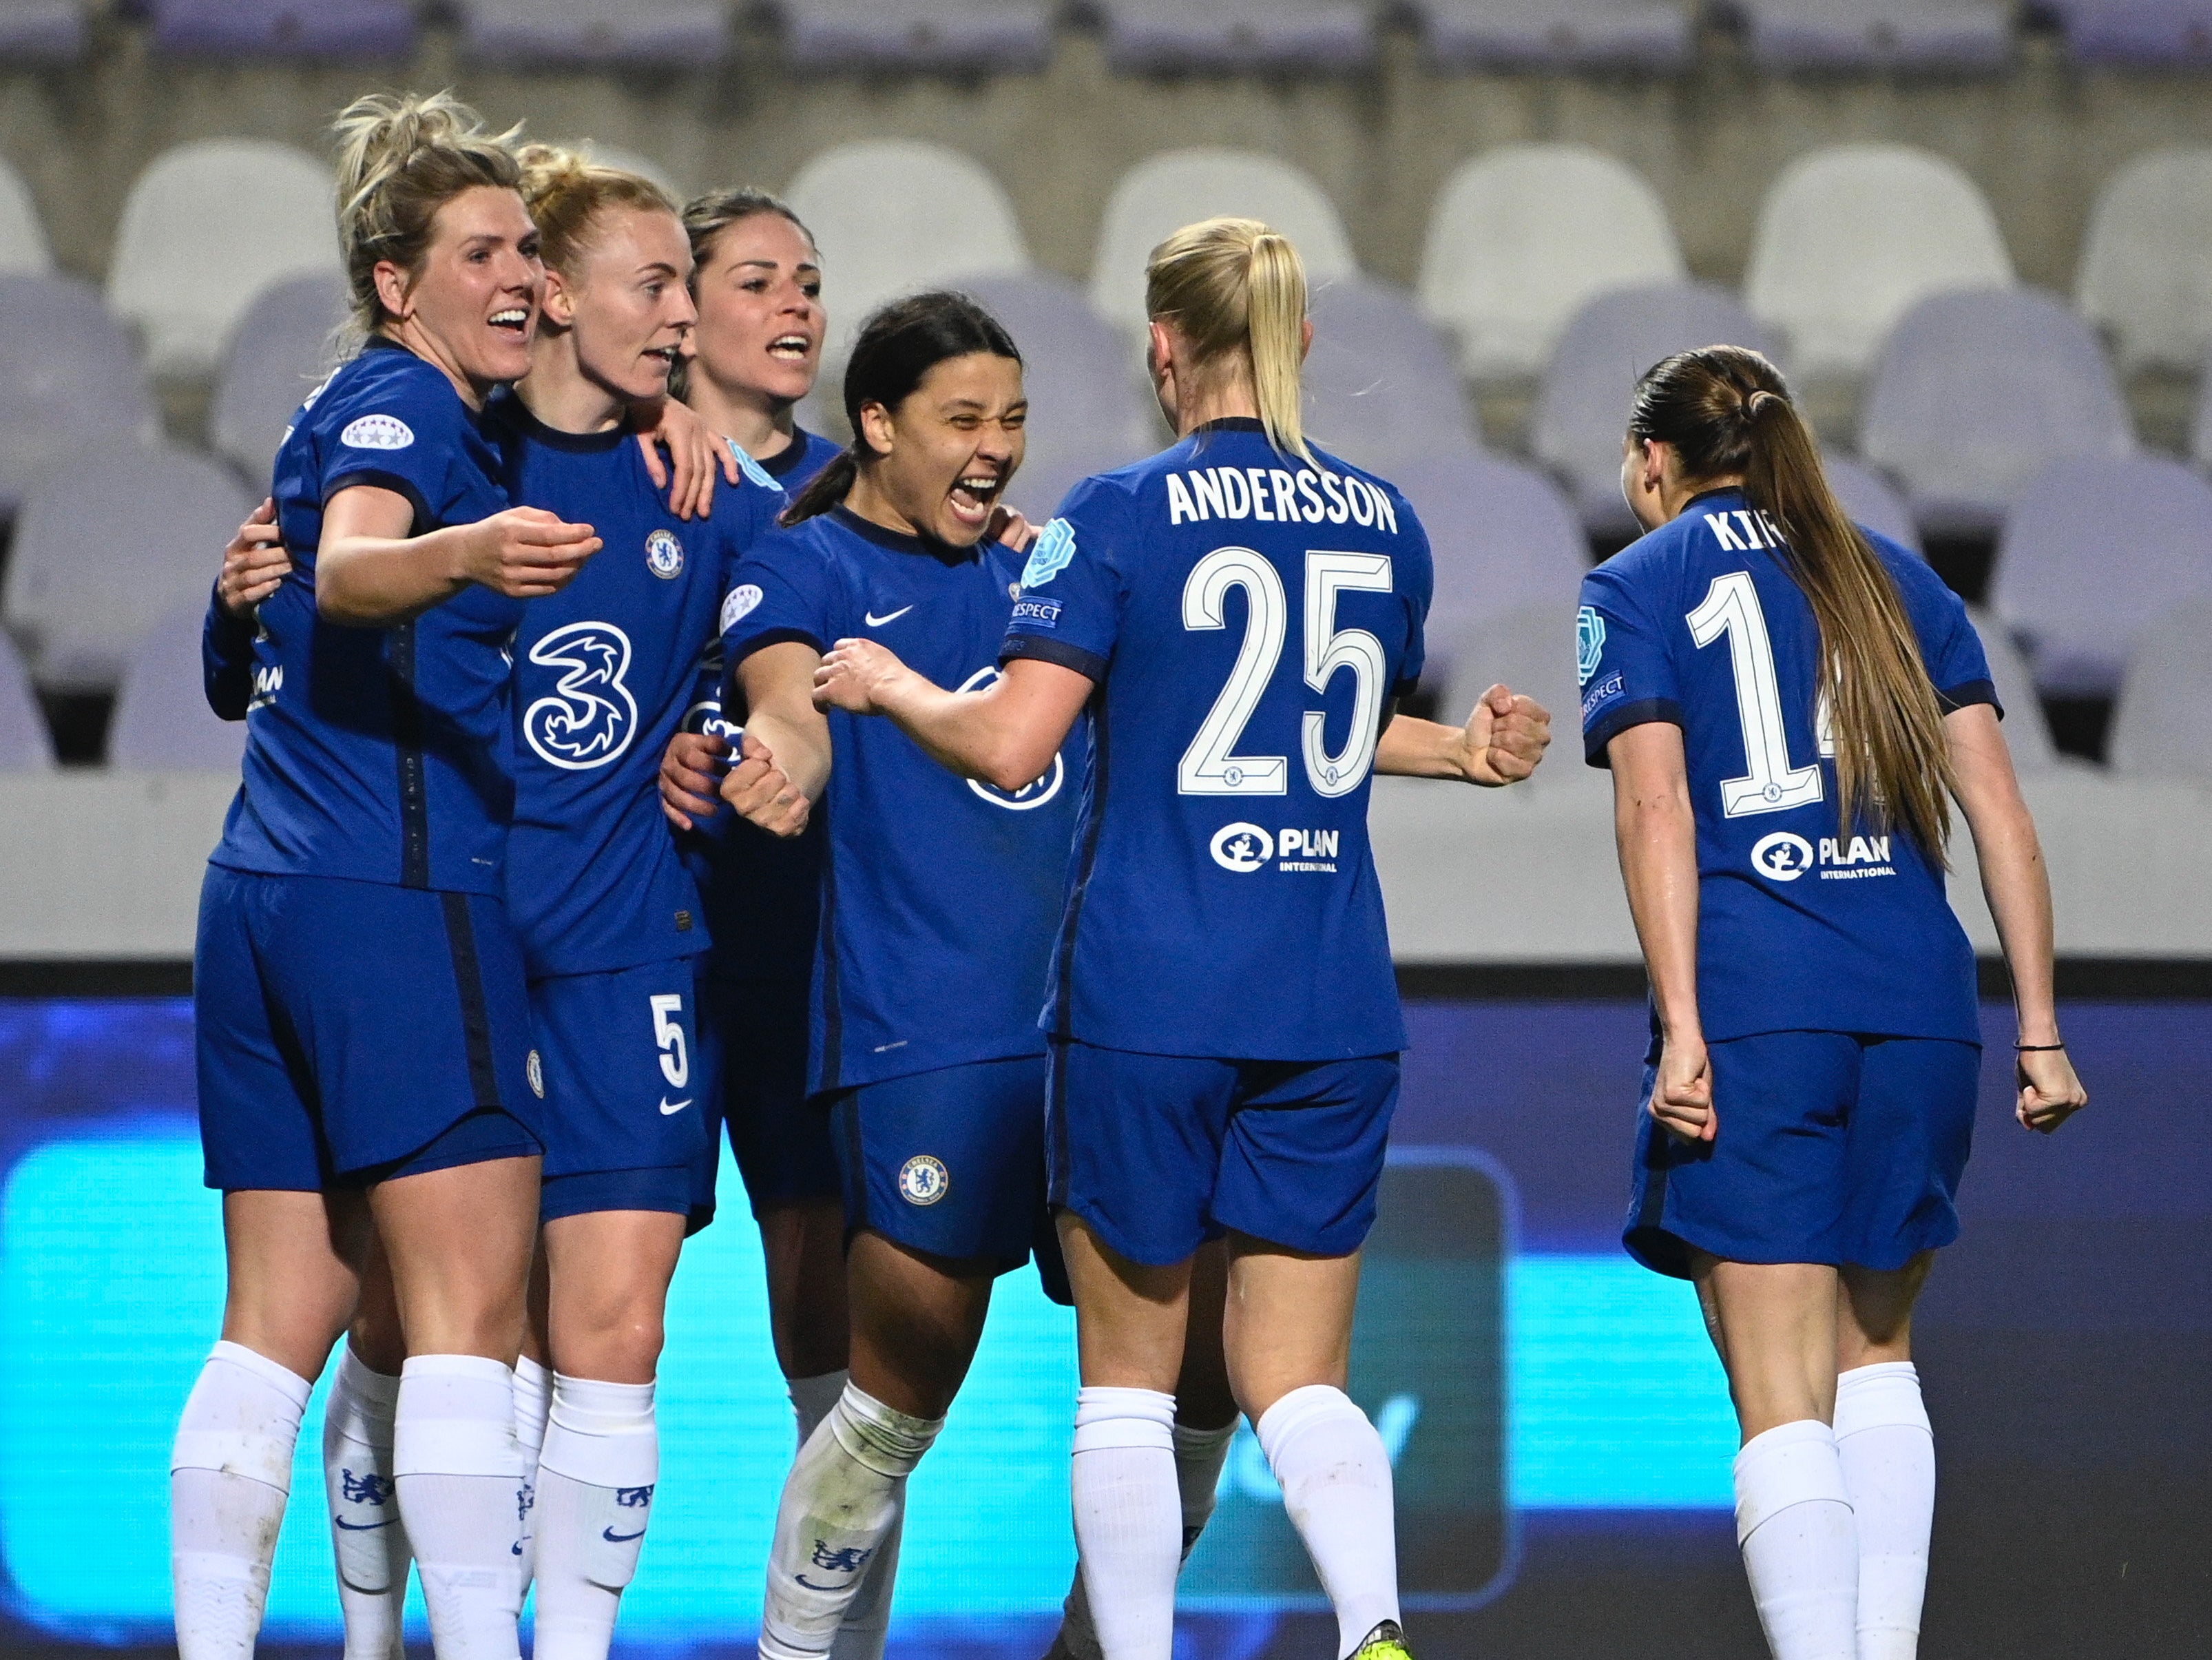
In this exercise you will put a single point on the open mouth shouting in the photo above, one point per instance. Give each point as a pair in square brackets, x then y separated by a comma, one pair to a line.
[973, 495]
[793, 348]
[513, 321]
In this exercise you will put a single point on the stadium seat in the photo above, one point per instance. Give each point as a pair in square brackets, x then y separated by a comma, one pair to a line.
[1643, 34]
[1173, 35]
[25, 743]
[1521, 237]
[104, 548]
[289, 28]
[281, 350]
[2146, 274]
[1164, 192]
[892, 216]
[2146, 31]
[1871, 499]
[1380, 387]
[2094, 548]
[1501, 537]
[68, 376]
[205, 228]
[1847, 34]
[42, 31]
[1975, 391]
[1850, 238]
[1582, 405]
[22, 238]
[2159, 728]
[1088, 412]
[670, 34]
[2027, 733]
[974, 36]
[162, 722]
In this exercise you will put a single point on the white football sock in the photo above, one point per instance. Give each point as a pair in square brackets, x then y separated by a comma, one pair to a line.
[1336, 1476]
[811, 1399]
[866, 1623]
[230, 1473]
[459, 1472]
[368, 1538]
[595, 1480]
[842, 1500]
[1887, 1449]
[1801, 1548]
[1128, 1519]
[1199, 1455]
[533, 1399]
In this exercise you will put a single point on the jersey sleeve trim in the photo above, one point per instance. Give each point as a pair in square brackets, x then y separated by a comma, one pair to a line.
[768, 637]
[1950, 699]
[1644, 713]
[425, 520]
[1088, 664]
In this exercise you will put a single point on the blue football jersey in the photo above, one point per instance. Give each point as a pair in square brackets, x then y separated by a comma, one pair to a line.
[1803, 923]
[604, 671]
[939, 896]
[806, 454]
[1249, 619]
[379, 755]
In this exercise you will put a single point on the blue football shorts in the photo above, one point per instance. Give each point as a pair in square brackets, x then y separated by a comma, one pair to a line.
[1829, 1147]
[1160, 1152]
[349, 1032]
[754, 1033]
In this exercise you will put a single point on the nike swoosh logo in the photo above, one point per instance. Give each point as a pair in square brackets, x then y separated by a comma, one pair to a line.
[363, 1526]
[876, 622]
[665, 1110]
[810, 1585]
[614, 1538]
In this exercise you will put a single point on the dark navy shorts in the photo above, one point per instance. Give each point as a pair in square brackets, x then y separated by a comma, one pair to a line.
[1160, 1152]
[626, 1114]
[754, 1033]
[354, 1031]
[951, 1162]
[1829, 1148]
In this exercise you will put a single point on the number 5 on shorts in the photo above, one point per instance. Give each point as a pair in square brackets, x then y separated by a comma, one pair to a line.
[668, 1033]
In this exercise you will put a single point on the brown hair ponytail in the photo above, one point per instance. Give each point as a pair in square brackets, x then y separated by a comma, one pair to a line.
[1726, 412]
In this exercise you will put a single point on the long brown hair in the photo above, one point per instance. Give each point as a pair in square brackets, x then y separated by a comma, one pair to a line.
[1726, 412]
[1236, 288]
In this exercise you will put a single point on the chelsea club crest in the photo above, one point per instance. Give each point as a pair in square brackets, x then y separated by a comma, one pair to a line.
[664, 554]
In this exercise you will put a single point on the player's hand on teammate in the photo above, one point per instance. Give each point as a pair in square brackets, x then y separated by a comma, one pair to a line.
[526, 553]
[1682, 1094]
[856, 677]
[1007, 525]
[1506, 737]
[695, 451]
[690, 778]
[758, 789]
[2050, 1093]
[254, 563]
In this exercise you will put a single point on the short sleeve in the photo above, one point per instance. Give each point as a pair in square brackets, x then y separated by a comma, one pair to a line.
[1623, 668]
[1415, 580]
[1073, 591]
[1950, 645]
[779, 591]
[410, 433]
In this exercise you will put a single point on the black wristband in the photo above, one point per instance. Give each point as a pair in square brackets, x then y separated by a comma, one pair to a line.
[2035, 1048]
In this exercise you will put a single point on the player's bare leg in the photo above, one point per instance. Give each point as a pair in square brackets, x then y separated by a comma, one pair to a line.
[1774, 1326]
[803, 1245]
[293, 1282]
[1887, 1449]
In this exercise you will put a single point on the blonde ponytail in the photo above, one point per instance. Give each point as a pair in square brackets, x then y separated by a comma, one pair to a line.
[1237, 290]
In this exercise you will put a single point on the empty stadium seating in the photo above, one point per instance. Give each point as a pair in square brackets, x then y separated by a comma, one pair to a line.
[1174, 35]
[103, 549]
[2146, 273]
[1871, 501]
[1924, 35]
[282, 347]
[42, 31]
[1380, 387]
[678, 33]
[303, 28]
[1653, 35]
[2160, 729]
[1530, 648]
[1850, 238]
[204, 228]
[22, 238]
[2027, 734]
[1501, 537]
[162, 722]
[968, 35]
[1164, 192]
[2146, 32]
[1975, 391]
[69, 378]
[2093, 550]
[24, 745]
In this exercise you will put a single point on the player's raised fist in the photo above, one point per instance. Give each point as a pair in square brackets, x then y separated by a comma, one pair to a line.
[526, 553]
[690, 769]
[254, 562]
[761, 792]
[1506, 736]
[856, 676]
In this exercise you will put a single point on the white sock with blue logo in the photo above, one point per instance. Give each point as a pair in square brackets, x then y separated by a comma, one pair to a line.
[533, 1399]
[1887, 1449]
[841, 1503]
[459, 1472]
[1128, 1519]
[1335, 1475]
[367, 1539]
[230, 1472]
[1801, 1548]
[595, 1482]
[1199, 1457]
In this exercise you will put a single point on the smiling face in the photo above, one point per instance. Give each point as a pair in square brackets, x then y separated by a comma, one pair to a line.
[761, 321]
[626, 302]
[473, 303]
[943, 458]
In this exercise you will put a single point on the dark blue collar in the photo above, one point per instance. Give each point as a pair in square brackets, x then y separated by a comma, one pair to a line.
[898, 541]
